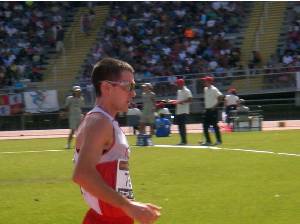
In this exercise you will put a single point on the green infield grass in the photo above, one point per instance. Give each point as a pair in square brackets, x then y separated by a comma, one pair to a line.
[193, 186]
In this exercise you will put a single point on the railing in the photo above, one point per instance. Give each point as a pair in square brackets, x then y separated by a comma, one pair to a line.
[246, 81]
[29, 121]
[42, 121]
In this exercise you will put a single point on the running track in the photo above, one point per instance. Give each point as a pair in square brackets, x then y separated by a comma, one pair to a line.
[192, 128]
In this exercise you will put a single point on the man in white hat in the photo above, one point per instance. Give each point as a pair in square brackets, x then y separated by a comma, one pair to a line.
[149, 106]
[73, 106]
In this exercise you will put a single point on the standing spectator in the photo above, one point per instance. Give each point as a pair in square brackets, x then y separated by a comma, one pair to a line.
[230, 103]
[148, 112]
[2, 76]
[85, 24]
[212, 98]
[102, 151]
[184, 98]
[91, 17]
[255, 62]
[60, 39]
[73, 106]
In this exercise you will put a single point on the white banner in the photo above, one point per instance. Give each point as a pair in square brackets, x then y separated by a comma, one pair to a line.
[41, 101]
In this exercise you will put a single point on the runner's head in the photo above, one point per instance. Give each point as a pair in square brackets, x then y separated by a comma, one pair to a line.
[108, 69]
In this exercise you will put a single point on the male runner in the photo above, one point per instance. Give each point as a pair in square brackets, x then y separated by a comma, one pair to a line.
[102, 151]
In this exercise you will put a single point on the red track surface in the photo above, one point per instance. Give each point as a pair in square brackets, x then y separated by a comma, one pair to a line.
[192, 128]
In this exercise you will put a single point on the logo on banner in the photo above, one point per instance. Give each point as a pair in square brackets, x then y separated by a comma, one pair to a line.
[4, 110]
[41, 101]
[38, 98]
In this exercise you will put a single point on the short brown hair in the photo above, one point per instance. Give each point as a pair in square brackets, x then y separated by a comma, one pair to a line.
[108, 69]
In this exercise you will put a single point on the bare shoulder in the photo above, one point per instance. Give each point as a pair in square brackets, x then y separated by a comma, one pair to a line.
[95, 128]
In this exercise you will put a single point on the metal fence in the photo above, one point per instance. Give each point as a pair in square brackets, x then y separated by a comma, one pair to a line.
[247, 82]
[28, 121]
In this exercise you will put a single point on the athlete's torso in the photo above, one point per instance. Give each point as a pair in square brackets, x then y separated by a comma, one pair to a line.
[113, 168]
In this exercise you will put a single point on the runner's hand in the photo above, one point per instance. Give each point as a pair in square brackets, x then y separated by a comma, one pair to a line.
[143, 213]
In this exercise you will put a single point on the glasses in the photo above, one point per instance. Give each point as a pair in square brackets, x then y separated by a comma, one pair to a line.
[126, 85]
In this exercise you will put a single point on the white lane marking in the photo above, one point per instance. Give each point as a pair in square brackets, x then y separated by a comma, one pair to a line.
[31, 151]
[228, 149]
[173, 146]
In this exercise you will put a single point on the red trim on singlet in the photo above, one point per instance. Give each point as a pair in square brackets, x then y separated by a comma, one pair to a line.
[93, 217]
[108, 172]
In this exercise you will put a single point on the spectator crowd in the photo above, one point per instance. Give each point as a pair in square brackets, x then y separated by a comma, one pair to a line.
[27, 31]
[160, 39]
[171, 38]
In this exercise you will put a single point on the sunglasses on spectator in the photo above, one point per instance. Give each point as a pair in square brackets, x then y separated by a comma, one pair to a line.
[126, 85]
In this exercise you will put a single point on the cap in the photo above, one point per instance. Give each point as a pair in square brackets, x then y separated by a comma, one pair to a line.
[160, 105]
[180, 82]
[76, 88]
[208, 78]
[147, 84]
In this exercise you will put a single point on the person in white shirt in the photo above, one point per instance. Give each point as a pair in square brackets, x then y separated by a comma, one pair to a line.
[212, 98]
[184, 98]
[230, 103]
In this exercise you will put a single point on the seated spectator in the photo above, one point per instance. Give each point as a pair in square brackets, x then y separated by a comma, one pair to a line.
[231, 102]
[133, 117]
[242, 111]
[163, 110]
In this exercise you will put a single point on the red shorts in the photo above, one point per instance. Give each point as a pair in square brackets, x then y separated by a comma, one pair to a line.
[93, 217]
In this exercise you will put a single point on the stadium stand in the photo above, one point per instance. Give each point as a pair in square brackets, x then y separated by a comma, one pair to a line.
[252, 46]
[28, 33]
[137, 35]
[187, 38]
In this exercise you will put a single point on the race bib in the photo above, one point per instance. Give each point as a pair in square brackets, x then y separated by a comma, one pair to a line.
[123, 183]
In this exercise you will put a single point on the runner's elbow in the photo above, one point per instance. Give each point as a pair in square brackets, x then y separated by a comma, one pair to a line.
[81, 175]
[77, 177]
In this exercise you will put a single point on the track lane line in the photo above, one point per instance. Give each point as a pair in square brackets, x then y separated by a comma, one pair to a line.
[171, 146]
[227, 149]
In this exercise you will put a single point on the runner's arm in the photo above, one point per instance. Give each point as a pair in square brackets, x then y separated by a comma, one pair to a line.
[97, 134]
